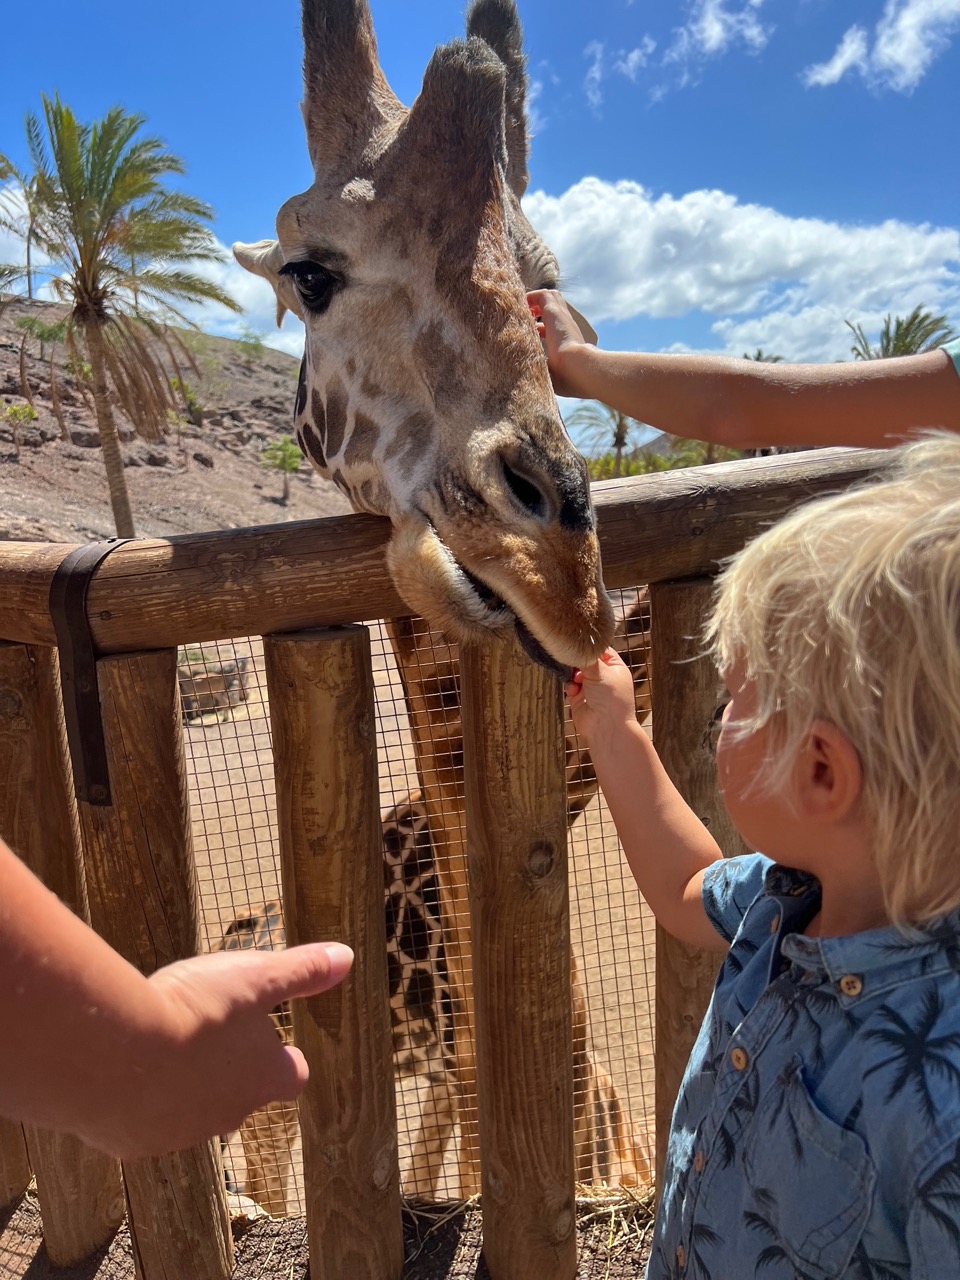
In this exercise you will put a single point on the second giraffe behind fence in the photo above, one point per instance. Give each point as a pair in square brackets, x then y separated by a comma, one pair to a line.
[609, 1148]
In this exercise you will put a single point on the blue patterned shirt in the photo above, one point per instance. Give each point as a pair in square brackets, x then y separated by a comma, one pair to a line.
[817, 1130]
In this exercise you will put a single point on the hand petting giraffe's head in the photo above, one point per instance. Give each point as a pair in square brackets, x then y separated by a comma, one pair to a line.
[424, 392]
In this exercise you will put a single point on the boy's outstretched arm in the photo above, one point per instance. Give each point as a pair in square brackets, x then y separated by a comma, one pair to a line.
[140, 1066]
[667, 846]
[746, 404]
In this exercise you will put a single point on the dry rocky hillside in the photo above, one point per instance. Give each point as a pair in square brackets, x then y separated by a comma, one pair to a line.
[198, 477]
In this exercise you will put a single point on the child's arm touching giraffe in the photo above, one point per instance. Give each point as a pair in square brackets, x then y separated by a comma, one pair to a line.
[140, 1066]
[666, 845]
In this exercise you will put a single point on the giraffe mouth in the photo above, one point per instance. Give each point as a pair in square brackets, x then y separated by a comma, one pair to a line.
[528, 641]
[436, 585]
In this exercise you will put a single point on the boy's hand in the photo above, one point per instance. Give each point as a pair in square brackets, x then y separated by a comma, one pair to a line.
[560, 335]
[601, 699]
[220, 1057]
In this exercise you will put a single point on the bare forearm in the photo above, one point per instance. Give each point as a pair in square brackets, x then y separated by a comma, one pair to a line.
[141, 1066]
[747, 404]
[78, 1019]
[665, 844]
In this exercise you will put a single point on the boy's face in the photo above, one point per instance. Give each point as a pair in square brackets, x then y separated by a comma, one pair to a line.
[761, 818]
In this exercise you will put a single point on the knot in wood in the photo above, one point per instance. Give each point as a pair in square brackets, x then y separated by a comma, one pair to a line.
[563, 1225]
[541, 859]
[383, 1168]
[11, 705]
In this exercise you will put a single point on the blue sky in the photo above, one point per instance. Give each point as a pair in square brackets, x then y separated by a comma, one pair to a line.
[714, 175]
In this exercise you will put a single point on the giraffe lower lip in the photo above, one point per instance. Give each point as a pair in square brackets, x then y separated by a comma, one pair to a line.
[528, 641]
[535, 651]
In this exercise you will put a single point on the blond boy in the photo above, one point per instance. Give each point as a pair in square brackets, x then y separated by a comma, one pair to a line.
[817, 1130]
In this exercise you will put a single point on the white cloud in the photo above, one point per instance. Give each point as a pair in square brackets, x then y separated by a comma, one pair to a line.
[907, 39]
[713, 28]
[627, 63]
[536, 120]
[851, 53]
[764, 278]
[630, 64]
[595, 73]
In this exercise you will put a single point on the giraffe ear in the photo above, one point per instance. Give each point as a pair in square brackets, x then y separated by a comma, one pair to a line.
[265, 258]
[497, 22]
[584, 325]
[346, 99]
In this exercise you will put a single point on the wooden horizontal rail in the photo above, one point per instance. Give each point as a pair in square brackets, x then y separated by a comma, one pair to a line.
[159, 593]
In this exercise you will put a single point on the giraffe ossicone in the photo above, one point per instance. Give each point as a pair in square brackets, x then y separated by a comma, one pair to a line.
[424, 392]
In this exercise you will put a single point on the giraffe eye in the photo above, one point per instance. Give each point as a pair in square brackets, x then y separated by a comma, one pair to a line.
[315, 284]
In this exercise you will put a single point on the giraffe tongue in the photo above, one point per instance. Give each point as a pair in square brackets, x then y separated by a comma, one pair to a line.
[535, 650]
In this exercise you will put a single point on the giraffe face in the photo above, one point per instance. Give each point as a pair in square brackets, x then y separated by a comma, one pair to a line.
[424, 392]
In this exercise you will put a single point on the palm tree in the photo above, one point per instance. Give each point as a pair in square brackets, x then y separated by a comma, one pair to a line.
[18, 211]
[605, 429]
[122, 249]
[920, 331]
[762, 357]
[8, 274]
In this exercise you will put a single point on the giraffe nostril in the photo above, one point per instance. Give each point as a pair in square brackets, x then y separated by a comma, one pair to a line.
[525, 491]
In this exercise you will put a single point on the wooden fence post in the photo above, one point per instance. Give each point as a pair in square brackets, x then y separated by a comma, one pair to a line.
[517, 843]
[15, 1171]
[686, 696]
[79, 1189]
[141, 883]
[320, 686]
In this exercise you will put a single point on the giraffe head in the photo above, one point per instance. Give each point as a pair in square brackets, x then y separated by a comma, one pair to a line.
[424, 392]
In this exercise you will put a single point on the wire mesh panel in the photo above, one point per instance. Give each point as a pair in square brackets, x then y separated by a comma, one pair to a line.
[230, 768]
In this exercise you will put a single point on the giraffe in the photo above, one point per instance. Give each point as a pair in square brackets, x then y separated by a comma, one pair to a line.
[424, 393]
[422, 1002]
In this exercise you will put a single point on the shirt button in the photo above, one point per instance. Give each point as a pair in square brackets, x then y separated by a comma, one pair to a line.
[851, 985]
[699, 1160]
[774, 924]
[681, 1256]
[739, 1059]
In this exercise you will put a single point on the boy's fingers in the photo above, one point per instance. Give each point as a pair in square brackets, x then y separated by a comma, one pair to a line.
[574, 684]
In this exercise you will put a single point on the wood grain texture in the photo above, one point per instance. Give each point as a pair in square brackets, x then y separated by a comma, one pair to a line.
[686, 695]
[80, 1194]
[142, 890]
[158, 593]
[322, 713]
[15, 1171]
[517, 846]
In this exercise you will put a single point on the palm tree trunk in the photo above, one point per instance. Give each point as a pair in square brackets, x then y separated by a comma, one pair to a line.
[109, 440]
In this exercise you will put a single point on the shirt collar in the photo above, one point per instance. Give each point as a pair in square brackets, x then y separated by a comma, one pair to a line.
[886, 954]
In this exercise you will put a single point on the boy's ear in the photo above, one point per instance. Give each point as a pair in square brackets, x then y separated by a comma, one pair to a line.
[828, 775]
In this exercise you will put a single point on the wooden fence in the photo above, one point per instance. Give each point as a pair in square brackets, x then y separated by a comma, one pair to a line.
[92, 776]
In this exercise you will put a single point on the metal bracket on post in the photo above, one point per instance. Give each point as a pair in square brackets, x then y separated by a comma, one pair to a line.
[78, 668]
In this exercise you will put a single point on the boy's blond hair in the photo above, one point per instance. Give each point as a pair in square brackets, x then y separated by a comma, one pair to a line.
[849, 611]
